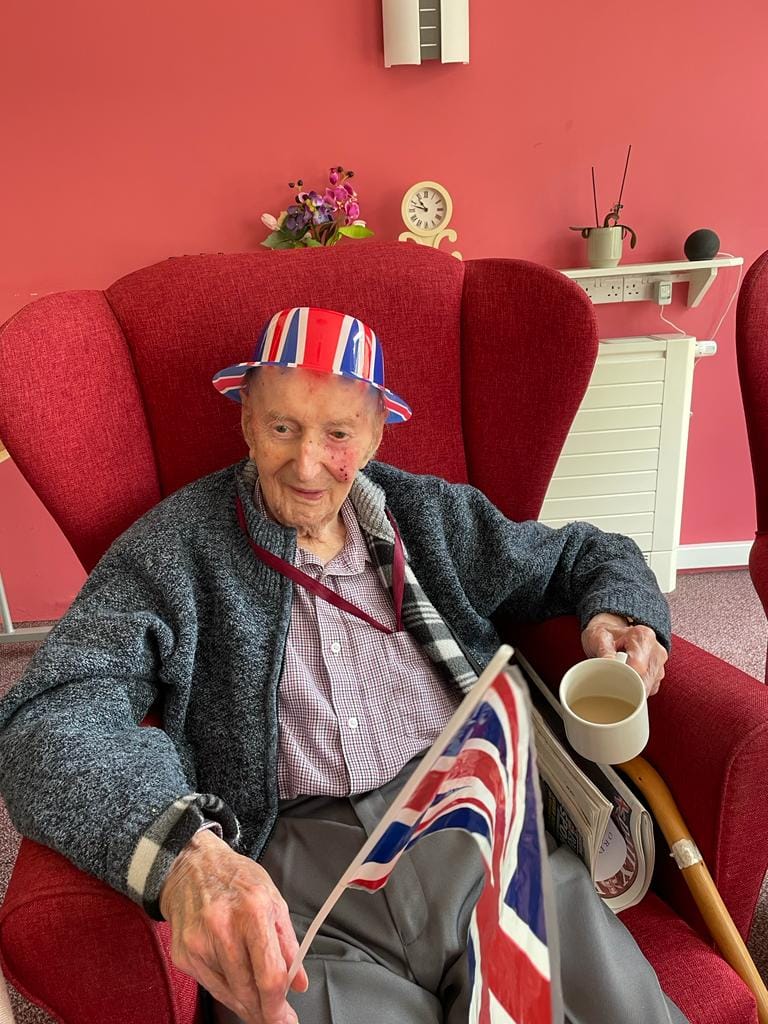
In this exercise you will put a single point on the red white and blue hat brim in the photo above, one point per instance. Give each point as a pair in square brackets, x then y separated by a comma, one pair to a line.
[229, 381]
[322, 340]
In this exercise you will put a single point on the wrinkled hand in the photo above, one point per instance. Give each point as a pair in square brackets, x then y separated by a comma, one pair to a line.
[231, 930]
[607, 634]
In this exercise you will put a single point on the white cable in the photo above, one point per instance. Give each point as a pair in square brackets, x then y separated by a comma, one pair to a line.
[678, 329]
[727, 308]
[735, 293]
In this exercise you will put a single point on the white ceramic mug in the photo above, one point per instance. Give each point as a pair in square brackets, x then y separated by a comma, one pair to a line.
[605, 709]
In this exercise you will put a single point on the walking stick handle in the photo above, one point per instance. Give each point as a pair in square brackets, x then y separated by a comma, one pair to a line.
[697, 877]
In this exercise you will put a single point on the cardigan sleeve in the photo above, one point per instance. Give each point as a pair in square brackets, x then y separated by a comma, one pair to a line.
[77, 770]
[533, 572]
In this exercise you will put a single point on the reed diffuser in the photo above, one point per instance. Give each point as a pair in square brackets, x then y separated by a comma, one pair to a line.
[605, 241]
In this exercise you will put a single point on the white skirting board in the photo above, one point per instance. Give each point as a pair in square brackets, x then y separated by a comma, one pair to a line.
[727, 554]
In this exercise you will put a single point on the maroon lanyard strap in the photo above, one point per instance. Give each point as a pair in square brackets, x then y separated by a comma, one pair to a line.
[325, 593]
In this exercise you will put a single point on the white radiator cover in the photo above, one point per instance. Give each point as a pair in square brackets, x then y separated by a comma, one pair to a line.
[623, 463]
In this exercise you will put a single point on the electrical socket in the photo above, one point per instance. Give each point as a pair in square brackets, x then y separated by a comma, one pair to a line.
[608, 289]
[603, 289]
[637, 289]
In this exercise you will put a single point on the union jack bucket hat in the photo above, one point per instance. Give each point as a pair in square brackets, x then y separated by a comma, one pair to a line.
[322, 340]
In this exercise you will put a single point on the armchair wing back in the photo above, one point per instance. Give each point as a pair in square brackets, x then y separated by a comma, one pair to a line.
[106, 403]
[752, 359]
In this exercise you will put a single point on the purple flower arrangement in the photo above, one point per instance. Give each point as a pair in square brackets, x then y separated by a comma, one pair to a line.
[315, 219]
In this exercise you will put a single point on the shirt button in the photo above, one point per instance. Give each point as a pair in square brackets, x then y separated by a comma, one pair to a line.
[335, 647]
[352, 722]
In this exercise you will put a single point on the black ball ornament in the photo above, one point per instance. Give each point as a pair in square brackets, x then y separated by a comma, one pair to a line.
[702, 245]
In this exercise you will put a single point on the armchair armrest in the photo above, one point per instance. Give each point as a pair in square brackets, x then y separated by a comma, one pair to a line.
[709, 741]
[85, 953]
[682, 959]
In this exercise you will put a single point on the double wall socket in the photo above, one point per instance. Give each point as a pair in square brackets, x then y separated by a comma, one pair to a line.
[603, 289]
[629, 288]
[638, 289]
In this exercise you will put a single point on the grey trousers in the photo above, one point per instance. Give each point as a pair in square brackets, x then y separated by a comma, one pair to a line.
[399, 956]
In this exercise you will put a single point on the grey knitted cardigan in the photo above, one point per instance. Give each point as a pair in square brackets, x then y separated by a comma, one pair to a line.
[180, 610]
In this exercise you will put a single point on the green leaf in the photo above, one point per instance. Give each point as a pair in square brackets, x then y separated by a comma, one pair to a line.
[282, 239]
[312, 243]
[279, 239]
[272, 240]
[355, 231]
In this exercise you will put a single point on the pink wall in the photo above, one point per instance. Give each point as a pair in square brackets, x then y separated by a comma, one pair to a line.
[137, 131]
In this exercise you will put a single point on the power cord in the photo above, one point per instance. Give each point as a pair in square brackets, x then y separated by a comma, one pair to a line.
[727, 308]
[735, 293]
[678, 329]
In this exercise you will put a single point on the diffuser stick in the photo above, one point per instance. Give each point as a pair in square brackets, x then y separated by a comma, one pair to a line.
[594, 196]
[626, 165]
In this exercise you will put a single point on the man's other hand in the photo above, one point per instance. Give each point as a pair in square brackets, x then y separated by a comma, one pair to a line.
[231, 930]
[605, 635]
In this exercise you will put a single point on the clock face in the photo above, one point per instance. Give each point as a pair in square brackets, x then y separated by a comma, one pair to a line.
[425, 209]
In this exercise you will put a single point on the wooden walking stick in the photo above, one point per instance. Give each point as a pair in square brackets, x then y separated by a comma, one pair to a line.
[697, 877]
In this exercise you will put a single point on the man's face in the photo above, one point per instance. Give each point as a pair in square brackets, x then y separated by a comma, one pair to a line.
[308, 434]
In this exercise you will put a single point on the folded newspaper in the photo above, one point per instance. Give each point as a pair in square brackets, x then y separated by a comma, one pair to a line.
[589, 808]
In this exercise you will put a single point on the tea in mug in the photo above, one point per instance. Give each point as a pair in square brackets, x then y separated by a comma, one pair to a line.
[602, 710]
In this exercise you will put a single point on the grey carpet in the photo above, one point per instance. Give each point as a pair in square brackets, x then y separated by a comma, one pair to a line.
[719, 611]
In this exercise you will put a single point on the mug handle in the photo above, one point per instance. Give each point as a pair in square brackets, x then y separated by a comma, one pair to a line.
[621, 656]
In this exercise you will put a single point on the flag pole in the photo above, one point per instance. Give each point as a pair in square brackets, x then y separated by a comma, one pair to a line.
[697, 877]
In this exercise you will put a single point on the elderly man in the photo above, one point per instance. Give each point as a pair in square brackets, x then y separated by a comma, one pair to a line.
[308, 621]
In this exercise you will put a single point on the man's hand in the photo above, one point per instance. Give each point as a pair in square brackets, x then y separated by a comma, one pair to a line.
[607, 634]
[231, 930]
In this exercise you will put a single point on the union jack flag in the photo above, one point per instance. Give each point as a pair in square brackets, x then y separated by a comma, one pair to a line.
[481, 776]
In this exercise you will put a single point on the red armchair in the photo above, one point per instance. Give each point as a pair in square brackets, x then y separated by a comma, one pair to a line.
[106, 406]
[752, 358]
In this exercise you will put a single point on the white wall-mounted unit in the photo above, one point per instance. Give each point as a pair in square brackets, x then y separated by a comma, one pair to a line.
[639, 282]
[623, 463]
[419, 30]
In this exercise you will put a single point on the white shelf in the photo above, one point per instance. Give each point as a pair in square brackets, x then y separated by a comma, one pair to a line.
[635, 282]
[653, 268]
